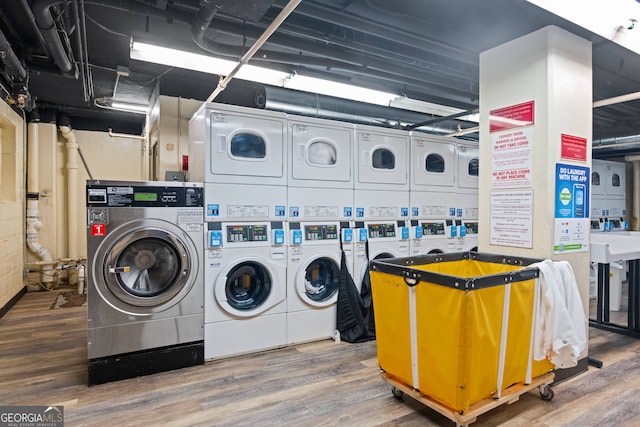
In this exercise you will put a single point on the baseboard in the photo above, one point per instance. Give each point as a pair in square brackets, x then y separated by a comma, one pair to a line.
[5, 309]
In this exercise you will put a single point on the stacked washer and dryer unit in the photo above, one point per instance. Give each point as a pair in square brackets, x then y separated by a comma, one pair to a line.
[144, 279]
[608, 196]
[320, 215]
[381, 196]
[437, 202]
[467, 165]
[240, 154]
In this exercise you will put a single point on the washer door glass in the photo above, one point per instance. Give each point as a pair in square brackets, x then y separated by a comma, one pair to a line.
[321, 279]
[147, 268]
[248, 286]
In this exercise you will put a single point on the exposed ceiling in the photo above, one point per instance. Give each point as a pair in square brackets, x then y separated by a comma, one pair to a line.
[68, 53]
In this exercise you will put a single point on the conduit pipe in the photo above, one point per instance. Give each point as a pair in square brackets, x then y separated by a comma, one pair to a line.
[72, 190]
[636, 189]
[33, 218]
[286, 11]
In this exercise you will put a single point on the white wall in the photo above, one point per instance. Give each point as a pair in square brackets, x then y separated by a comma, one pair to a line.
[113, 158]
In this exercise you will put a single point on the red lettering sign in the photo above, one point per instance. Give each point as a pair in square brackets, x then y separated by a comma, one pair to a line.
[98, 230]
[573, 147]
[514, 116]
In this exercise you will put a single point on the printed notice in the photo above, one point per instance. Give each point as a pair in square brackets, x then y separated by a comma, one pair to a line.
[511, 158]
[572, 224]
[573, 148]
[512, 218]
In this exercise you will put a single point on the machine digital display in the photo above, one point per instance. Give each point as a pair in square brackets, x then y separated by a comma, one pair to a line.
[595, 224]
[616, 223]
[246, 233]
[472, 227]
[433, 229]
[145, 197]
[382, 230]
[321, 232]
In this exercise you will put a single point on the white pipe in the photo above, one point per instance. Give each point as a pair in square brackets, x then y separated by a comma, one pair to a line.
[124, 135]
[33, 219]
[461, 132]
[617, 99]
[33, 225]
[615, 145]
[72, 191]
[33, 158]
[80, 278]
[222, 84]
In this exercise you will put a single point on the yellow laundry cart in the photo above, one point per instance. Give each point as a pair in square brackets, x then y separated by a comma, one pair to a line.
[456, 328]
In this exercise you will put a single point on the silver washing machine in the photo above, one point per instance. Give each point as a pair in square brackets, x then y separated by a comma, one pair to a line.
[145, 277]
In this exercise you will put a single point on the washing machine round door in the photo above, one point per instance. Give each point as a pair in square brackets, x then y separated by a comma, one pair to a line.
[319, 286]
[146, 268]
[248, 286]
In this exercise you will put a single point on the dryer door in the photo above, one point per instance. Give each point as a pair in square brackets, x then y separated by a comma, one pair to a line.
[145, 266]
[248, 287]
[317, 281]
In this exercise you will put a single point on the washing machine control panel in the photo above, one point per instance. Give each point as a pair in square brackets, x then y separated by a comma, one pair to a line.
[129, 196]
[381, 230]
[247, 233]
[472, 227]
[433, 228]
[320, 232]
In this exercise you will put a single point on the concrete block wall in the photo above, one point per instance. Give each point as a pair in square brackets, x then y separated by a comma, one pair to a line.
[12, 204]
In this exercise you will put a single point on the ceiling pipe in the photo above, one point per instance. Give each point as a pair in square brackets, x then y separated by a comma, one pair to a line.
[329, 107]
[286, 11]
[46, 25]
[10, 60]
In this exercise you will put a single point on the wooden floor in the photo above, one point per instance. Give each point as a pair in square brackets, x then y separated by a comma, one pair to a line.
[43, 361]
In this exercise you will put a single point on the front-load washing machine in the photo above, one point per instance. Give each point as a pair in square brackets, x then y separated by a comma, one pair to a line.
[144, 279]
[240, 154]
[313, 275]
[320, 177]
[245, 288]
[381, 186]
[437, 238]
[378, 240]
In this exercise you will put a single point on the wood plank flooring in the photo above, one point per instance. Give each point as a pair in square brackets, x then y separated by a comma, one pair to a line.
[43, 361]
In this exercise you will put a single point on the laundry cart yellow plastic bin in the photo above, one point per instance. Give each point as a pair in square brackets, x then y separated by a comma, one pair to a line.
[458, 326]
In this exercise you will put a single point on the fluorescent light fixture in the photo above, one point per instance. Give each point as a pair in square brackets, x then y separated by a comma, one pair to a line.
[341, 90]
[203, 63]
[615, 20]
[430, 108]
[134, 108]
[207, 64]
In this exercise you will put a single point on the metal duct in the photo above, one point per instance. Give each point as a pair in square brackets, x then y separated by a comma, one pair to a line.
[44, 20]
[328, 107]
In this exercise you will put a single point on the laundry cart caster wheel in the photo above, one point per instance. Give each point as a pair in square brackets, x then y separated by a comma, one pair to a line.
[546, 393]
[397, 393]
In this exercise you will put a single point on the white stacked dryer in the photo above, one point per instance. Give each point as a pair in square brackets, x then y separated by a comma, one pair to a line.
[467, 165]
[240, 154]
[320, 177]
[381, 195]
[245, 288]
[608, 196]
[435, 203]
[313, 275]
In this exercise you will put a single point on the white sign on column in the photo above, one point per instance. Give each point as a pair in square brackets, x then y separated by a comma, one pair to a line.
[512, 218]
[511, 158]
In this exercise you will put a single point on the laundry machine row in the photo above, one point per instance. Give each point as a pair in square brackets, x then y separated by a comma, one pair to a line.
[262, 168]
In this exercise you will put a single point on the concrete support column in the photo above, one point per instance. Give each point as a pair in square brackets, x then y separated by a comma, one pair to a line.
[538, 89]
